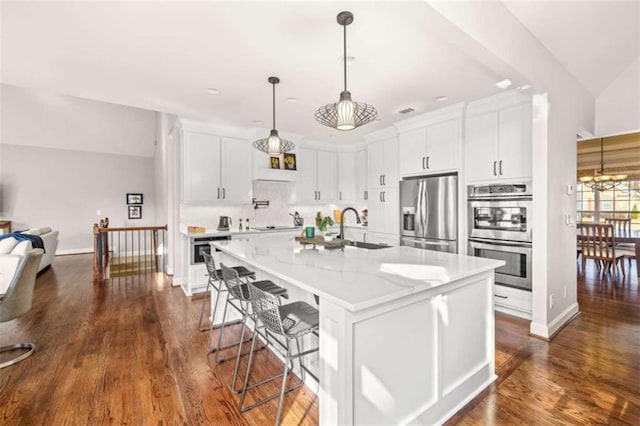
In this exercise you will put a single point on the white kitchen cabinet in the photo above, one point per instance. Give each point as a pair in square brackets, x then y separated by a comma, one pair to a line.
[430, 149]
[355, 234]
[512, 301]
[382, 163]
[317, 180]
[347, 177]
[498, 144]
[382, 238]
[212, 169]
[361, 176]
[384, 211]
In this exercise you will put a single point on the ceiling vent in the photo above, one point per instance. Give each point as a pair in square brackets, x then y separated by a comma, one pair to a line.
[406, 111]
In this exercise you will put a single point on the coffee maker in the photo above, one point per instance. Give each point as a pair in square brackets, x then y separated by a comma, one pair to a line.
[224, 224]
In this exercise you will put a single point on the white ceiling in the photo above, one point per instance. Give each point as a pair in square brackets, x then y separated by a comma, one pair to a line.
[594, 40]
[164, 55]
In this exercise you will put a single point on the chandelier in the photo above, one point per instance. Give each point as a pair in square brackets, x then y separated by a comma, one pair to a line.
[274, 144]
[345, 114]
[600, 180]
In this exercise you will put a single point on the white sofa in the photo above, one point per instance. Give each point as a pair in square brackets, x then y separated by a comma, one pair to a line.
[11, 250]
[50, 241]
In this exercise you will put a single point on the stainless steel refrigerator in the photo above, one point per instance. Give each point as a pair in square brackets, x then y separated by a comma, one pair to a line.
[429, 212]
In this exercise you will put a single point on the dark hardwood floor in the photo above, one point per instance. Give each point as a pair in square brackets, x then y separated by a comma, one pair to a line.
[128, 352]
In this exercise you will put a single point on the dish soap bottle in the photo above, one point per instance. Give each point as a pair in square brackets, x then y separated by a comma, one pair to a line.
[247, 225]
[240, 225]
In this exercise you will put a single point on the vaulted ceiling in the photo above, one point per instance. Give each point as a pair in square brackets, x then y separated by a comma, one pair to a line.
[165, 55]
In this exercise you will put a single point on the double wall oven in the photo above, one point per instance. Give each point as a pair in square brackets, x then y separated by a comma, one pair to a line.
[500, 227]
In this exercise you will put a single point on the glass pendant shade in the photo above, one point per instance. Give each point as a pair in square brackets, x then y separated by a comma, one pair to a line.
[274, 144]
[346, 112]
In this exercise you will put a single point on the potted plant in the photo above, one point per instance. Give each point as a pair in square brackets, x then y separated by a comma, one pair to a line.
[322, 222]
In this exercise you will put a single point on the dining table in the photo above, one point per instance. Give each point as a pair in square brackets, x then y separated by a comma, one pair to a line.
[631, 236]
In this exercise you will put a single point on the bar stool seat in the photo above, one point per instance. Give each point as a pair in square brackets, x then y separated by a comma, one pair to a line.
[238, 296]
[215, 277]
[291, 321]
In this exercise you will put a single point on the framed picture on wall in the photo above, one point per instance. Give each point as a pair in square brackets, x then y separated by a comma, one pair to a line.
[289, 161]
[135, 212]
[134, 199]
[274, 162]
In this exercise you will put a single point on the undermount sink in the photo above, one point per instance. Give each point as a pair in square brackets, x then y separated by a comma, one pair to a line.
[368, 246]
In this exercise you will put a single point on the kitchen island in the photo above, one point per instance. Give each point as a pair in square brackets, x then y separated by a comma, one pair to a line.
[406, 335]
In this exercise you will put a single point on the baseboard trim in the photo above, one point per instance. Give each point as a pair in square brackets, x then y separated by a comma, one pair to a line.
[549, 331]
[74, 251]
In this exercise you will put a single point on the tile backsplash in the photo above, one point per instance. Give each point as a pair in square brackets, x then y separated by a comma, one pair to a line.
[282, 201]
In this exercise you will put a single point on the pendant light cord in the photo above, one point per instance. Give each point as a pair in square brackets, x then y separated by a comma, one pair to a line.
[601, 156]
[344, 58]
[274, 105]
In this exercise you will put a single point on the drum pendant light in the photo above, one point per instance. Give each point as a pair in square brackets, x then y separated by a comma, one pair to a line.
[274, 144]
[345, 114]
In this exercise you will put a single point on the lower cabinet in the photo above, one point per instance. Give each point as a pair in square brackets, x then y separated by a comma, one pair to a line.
[382, 238]
[512, 301]
[355, 234]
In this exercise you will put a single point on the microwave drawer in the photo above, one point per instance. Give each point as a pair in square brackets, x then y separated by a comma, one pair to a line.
[512, 298]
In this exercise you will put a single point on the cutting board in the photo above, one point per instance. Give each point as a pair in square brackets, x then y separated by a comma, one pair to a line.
[319, 241]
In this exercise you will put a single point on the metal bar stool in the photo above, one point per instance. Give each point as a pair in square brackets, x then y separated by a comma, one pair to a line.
[237, 296]
[215, 277]
[291, 322]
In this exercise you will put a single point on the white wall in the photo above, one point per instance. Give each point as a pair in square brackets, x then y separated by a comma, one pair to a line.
[618, 107]
[64, 158]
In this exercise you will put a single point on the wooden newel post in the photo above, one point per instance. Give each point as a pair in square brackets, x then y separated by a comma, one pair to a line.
[97, 256]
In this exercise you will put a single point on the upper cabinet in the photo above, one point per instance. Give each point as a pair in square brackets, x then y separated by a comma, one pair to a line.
[362, 192]
[317, 179]
[211, 172]
[431, 143]
[347, 177]
[382, 159]
[498, 139]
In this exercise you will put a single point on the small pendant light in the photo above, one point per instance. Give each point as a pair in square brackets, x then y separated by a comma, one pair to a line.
[274, 144]
[345, 114]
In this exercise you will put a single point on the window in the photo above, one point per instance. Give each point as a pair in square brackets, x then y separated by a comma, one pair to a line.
[621, 202]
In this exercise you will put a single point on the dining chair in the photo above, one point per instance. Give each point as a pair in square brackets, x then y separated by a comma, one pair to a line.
[597, 242]
[623, 226]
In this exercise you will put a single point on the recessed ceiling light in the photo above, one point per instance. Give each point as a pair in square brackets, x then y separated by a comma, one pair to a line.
[350, 59]
[292, 100]
[525, 87]
[441, 98]
[406, 110]
[504, 83]
[213, 91]
[257, 122]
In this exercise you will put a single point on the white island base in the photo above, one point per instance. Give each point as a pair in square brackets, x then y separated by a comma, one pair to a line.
[406, 335]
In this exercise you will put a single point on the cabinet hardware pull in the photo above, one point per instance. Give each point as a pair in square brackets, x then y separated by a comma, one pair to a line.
[380, 196]
[427, 161]
[340, 195]
[224, 193]
[319, 195]
[423, 163]
[494, 168]
[501, 297]
[500, 167]
[366, 195]
[384, 178]
[384, 200]
[380, 180]
[218, 193]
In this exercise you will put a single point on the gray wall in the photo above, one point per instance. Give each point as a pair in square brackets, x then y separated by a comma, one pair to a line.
[62, 159]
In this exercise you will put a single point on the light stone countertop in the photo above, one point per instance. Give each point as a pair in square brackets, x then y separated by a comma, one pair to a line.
[212, 232]
[355, 278]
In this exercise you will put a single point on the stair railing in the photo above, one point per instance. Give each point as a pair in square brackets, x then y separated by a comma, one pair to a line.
[127, 251]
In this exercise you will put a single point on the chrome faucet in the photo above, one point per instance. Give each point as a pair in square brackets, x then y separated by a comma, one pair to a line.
[342, 219]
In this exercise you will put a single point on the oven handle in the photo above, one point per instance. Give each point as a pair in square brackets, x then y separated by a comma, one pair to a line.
[500, 243]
